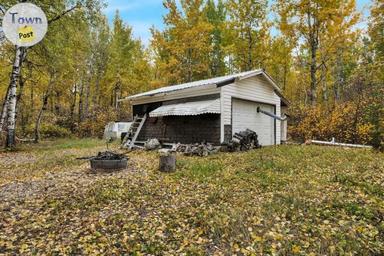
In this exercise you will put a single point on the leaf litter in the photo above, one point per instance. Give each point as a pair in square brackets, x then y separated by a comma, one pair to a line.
[279, 200]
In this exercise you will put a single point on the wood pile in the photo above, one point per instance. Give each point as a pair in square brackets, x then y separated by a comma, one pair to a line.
[243, 141]
[198, 149]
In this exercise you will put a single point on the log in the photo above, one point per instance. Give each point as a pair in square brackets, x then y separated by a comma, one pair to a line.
[24, 140]
[167, 163]
[337, 144]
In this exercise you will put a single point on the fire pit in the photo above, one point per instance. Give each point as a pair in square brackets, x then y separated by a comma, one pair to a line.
[108, 161]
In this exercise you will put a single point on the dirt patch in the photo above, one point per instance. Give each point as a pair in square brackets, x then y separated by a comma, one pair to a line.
[26, 166]
[17, 159]
[57, 183]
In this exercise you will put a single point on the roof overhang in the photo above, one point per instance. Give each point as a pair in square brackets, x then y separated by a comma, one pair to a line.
[277, 90]
[188, 109]
[214, 82]
[217, 81]
[226, 82]
[267, 77]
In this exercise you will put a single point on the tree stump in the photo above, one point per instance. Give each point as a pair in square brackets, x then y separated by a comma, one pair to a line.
[167, 163]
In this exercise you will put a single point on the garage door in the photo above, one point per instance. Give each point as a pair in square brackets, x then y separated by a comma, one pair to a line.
[244, 115]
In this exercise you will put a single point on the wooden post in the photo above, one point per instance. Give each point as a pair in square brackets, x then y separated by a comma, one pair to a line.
[167, 163]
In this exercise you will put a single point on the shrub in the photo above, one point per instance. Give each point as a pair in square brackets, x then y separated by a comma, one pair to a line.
[48, 130]
[54, 131]
[346, 122]
[94, 125]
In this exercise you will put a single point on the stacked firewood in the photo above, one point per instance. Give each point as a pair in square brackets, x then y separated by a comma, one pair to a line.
[198, 149]
[243, 141]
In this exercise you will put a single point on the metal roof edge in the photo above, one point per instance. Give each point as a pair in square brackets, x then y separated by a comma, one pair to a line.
[254, 73]
[225, 81]
[206, 82]
[278, 90]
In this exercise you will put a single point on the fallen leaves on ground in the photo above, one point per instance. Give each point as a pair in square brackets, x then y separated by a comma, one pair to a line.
[291, 200]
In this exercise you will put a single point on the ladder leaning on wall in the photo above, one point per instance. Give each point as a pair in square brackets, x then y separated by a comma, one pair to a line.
[134, 131]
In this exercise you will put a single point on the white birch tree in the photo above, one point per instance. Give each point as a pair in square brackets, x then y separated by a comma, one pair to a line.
[11, 98]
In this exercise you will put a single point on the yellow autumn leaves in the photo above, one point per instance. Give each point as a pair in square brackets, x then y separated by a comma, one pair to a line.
[290, 200]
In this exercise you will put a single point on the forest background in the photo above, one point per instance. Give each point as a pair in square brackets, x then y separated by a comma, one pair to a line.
[328, 66]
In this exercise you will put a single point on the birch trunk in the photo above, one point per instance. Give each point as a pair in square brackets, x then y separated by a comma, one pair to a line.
[250, 47]
[41, 112]
[339, 81]
[19, 95]
[81, 104]
[12, 97]
[72, 108]
[39, 117]
[87, 97]
[324, 83]
[314, 46]
[313, 89]
[96, 95]
[4, 111]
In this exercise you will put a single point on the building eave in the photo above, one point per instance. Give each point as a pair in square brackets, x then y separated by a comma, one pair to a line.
[208, 83]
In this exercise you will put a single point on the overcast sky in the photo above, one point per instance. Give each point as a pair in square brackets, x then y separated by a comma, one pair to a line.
[142, 14]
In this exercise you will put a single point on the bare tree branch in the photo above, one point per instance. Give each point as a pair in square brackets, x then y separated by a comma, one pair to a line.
[64, 13]
[2, 10]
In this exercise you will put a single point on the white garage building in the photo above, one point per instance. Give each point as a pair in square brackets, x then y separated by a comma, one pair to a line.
[212, 110]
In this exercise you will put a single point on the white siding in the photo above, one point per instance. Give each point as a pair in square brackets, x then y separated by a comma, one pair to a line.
[245, 116]
[256, 89]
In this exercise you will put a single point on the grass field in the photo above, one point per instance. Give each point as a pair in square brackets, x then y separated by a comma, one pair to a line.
[286, 200]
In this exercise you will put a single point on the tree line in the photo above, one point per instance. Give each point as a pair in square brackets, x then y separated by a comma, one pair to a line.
[330, 67]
